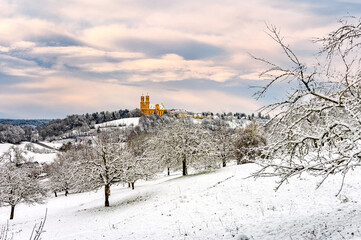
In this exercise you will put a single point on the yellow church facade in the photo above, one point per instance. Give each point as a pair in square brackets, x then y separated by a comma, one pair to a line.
[146, 108]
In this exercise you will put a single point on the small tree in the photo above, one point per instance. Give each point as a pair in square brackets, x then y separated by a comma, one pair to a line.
[102, 164]
[61, 171]
[317, 128]
[248, 143]
[222, 136]
[17, 181]
[141, 163]
[182, 144]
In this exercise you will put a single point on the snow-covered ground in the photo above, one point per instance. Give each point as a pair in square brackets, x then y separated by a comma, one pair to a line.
[217, 205]
[38, 157]
[119, 123]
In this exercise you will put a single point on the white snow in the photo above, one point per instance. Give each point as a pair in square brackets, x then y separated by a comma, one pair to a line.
[217, 205]
[37, 157]
[4, 147]
[120, 122]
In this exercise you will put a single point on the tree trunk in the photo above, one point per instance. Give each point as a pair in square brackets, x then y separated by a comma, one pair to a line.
[66, 192]
[185, 172]
[168, 171]
[107, 194]
[56, 195]
[12, 212]
[238, 161]
[128, 184]
[132, 185]
[224, 163]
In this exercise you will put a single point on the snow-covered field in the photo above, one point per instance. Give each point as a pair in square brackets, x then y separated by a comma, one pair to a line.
[120, 122]
[217, 205]
[39, 157]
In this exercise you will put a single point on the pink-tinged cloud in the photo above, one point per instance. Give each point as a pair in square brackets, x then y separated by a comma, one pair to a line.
[87, 96]
[86, 55]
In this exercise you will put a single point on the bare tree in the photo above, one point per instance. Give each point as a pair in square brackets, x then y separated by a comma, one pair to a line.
[18, 183]
[61, 171]
[222, 135]
[183, 144]
[102, 164]
[317, 127]
[141, 163]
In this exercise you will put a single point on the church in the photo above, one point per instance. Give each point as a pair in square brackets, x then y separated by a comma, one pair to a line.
[147, 109]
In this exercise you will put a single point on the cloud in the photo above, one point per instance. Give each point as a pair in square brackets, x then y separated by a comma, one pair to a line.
[15, 29]
[82, 96]
[56, 40]
[84, 55]
[62, 94]
[190, 50]
[83, 51]
[213, 100]
[169, 67]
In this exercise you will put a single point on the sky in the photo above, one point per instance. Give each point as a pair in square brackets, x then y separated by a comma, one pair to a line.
[76, 56]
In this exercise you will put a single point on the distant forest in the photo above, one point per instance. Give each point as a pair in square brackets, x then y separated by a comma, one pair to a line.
[23, 122]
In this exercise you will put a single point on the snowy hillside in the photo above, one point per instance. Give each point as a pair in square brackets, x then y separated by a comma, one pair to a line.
[119, 123]
[40, 154]
[217, 205]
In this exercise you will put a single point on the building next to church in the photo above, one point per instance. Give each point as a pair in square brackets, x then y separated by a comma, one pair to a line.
[147, 109]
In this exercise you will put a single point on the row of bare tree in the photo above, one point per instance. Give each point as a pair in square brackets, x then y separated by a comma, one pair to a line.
[116, 156]
[177, 145]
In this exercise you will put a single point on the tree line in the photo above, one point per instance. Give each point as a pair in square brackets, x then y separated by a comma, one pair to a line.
[24, 122]
[18, 130]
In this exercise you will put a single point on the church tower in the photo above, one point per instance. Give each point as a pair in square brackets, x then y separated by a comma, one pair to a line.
[141, 102]
[147, 103]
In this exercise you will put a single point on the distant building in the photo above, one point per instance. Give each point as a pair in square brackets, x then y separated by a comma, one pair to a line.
[179, 113]
[147, 109]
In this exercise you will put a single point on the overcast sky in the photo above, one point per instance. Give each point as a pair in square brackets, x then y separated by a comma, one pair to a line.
[76, 56]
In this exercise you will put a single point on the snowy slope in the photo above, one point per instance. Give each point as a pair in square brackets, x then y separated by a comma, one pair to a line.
[119, 122]
[38, 157]
[218, 205]
[4, 147]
